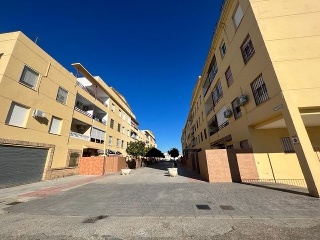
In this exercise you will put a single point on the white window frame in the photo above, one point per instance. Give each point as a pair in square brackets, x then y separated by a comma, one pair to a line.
[60, 98]
[17, 115]
[112, 107]
[55, 125]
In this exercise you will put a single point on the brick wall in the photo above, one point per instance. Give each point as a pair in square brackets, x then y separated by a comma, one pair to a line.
[54, 173]
[91, 165]
[203, 165]
[246, 163]
[227, 165]
[115, 164]
[218, 165]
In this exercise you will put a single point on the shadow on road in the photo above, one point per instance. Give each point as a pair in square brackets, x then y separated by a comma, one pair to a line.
[182, 170]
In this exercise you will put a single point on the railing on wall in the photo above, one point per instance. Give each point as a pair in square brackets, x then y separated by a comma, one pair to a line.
[292, 182]
[79, 136]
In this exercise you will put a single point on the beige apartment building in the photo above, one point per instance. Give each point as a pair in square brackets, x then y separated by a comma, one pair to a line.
[259, 89]
[51, 117]
[147, 136]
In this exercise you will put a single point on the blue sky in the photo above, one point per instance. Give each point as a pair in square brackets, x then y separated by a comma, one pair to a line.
[151, 51]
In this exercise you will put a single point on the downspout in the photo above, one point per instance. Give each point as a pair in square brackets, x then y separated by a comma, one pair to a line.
[46, 75]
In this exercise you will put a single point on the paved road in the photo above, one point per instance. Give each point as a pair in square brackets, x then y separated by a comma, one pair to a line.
[149, 204]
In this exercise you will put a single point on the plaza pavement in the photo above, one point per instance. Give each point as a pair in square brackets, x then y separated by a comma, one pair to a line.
[148, 204]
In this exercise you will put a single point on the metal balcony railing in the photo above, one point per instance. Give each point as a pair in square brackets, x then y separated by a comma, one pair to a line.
[79, 136]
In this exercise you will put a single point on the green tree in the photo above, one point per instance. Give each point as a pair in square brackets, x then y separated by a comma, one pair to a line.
[136, 149]
[173, 152]
[146, 150]
[154, 152]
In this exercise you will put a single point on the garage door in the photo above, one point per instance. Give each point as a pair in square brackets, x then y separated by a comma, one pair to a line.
[21, 165]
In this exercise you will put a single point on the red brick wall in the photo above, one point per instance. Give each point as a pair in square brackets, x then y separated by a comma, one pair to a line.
[91, 165]
[247, 164]
[203, 165]
[115, 164]
[218, 165]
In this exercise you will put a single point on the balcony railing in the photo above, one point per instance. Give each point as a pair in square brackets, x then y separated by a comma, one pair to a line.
[79, 136]
[83, 112]
[91, 93]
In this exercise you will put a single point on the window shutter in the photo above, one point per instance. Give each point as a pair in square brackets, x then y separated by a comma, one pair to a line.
[237, 16]
[17, 115]
[55, 125]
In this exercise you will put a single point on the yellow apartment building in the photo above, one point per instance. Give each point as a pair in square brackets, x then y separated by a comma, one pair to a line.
[259, 89]
[51, 117]
[147, 136]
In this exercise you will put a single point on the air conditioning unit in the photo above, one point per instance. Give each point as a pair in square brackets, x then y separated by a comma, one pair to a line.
[242, 99]
[227, 113]
[38, 113]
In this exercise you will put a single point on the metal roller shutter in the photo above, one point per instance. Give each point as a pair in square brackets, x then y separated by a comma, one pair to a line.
[21, 165]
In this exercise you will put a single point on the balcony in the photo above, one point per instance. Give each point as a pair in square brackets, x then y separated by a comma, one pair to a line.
[79, 136]
[91, 89]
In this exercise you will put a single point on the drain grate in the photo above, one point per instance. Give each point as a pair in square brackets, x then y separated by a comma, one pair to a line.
[226, 207]
[203, 207]
[94, 219]
[14, 203]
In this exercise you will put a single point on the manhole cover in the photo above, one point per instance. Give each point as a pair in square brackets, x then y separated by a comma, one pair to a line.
[226, 207]
[94, 219]
[203, 207]
[13, 203]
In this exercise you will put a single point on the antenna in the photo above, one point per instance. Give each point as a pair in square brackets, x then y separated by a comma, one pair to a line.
[37, 38]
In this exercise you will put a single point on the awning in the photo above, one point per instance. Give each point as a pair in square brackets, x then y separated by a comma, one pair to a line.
[223, 140]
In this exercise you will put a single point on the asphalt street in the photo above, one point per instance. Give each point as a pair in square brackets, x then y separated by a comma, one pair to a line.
[148, 204]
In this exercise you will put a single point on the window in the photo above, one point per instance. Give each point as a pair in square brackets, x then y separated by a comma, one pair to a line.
[129, 120]
[62, 95]
[17, 115]
[229, 77]
[223, 49]
[97, 135]
[118, 141]
[55, 125]
[123, 116]
[123, 130]
[237, 17]
[112, 107]
[128, 133]
[29, 77]
[201, 137]
[244, 144]
[217, 93]
[110, 141]
[213, 69]
[205, 133]
[74, 159]
[111, 123]
[236, 108]
[119, 127]
[259, 90]
[247, 49]
[122, 144]
[119, 113]
[287, 145]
